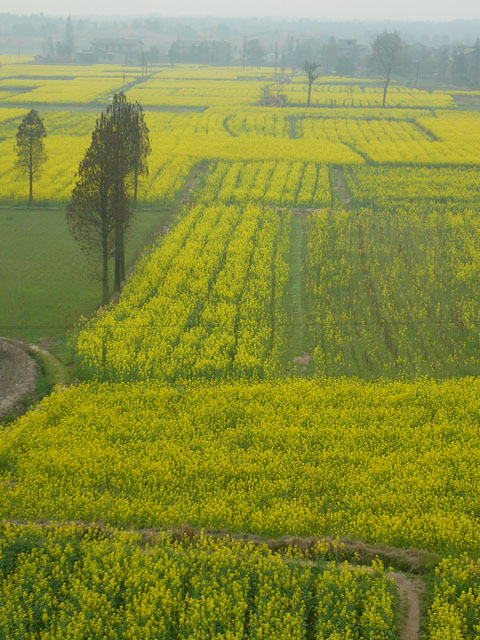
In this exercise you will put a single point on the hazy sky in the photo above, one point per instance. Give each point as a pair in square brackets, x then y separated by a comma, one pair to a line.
[341, 9]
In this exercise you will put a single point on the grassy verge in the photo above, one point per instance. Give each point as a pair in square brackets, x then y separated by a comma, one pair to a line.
[298, 337]
[46, 283]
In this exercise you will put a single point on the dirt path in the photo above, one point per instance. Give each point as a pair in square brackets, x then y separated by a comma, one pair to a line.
[18, 377]
[413, 561]
[410, 591]
[192, 181]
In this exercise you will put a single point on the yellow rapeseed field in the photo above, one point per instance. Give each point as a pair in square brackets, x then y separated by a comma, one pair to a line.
[336, 243]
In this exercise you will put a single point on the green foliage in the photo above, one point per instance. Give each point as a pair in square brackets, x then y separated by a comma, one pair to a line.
[30, 147]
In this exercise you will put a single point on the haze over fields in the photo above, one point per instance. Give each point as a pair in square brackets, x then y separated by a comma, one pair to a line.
[409, 10]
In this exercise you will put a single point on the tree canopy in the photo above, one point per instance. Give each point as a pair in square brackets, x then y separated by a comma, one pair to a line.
[30, 148]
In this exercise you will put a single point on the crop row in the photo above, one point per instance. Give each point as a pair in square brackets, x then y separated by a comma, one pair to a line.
[166, 177]
[455, 611]
[355, 96]
[403, 186]
[394, 293]
[57, 91]
[236, 135]
[208, 302]
[289, 184]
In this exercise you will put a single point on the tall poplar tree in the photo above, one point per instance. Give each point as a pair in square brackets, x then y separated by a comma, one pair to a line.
[89, 214]
[30, 148]
[141, 148]
[120, 121]
[100, 212]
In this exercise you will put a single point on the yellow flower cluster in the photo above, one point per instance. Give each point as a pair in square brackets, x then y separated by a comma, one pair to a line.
[400, 141]
[202, 93]
[208, 302]
[394, 293]
[68, 137]
[455, 610]
[57, 176]
[301, 139]
[388, 462]
[289, 184]
[401, 186]
[79, 90]
[70, 584]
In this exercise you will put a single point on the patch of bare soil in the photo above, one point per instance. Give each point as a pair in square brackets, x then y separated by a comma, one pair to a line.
[340, 186]
[18, 377]
[304, 359]
[191, 184]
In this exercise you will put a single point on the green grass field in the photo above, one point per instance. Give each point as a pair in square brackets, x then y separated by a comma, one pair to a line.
[46, 282]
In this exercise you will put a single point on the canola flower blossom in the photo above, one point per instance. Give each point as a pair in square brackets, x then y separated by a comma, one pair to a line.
[388, 462]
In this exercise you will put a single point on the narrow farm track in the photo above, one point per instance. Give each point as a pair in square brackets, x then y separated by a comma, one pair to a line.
[414, 562]
[340, 191]
[410, 591]
[297, 335]
[410, 587]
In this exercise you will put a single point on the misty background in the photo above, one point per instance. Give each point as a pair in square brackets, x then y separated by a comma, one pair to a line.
[433, 52]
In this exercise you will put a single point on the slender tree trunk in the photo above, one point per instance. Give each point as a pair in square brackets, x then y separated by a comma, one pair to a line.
[117, 279]
[135, 187]
[118, 216]
[30, 191]
[309, 92]
[121, 257]
[387, 82]
[119, 274]
[30, 176]
[105, 296]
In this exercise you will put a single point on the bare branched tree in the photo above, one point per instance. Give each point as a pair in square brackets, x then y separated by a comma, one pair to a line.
[311, 69]
[387, 48]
